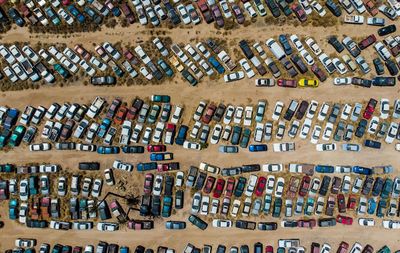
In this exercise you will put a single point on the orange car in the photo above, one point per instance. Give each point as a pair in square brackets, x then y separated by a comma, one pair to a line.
[120, 116]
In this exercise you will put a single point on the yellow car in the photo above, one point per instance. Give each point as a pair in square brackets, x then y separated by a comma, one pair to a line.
[308, 83]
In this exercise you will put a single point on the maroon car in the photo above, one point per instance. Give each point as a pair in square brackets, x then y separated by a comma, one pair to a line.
[230, 185]
[67, 130]
[260, 187]
[134, 110]
[205, 11]
[217, 15]
[131, 57]
[113, 108]
[287, 83]
[299, 11]
[306, 223]
[319, 73]
[369, 110]
[304, 186]
[219, 188]
[371, 39]
[238, 13]
[209, 185]
[156, 148]
[341, 203]
[209, 113]
[148, 183]
[82, 52]
[127, 12]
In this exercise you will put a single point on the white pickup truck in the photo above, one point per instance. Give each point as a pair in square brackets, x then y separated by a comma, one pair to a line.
[354, 19]
[224, 57]
[95, 107]
[125, 132]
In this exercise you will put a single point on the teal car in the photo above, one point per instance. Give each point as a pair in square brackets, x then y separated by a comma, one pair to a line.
[308, 210]
[245, 138]
[13, 209]
[189, 77]
[161, 98]
[52, 16]
[165, 67]
[277, 208]
[5, 135]
[153, 115]
[167, 207]
[239, 187]
[387, 188]
[371, 206]
[384, 249]
[17, 136]
[61, 70]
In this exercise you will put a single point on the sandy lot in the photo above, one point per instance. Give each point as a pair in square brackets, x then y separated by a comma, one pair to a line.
[242, 92]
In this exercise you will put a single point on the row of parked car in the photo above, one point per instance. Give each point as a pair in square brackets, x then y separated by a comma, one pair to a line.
[288, 245]
[25, 245]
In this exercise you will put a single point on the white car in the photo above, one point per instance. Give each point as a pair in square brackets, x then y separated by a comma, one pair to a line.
[396, 109]
[30, 53]
[367, 222]
[342, 80]
[392, 132]
[184, 14]
[205, 202]
[249, 8]
[384, 108]
[307, 57]
[327, 131]
[269, 188]
[10, 74]
[195, 130]
[373, 125]
[7, 55]
[230, 110]
[339, 66]
[45, 146]
[176, 115]
[23, 190]
[203, 50]
[248, 116]
[237, 118]
[258, 133]
[318, 8]
[251, 184]
[326, 248]
[277, 110]
[316, 133]
[305, 129]
[346, 112]
[88, 69]
[306, 6]
[219, 223]
[23, 212]
[191, 145]
[143, 70]
[209, 168]
[272, 167]
[326, 147]
[199, 110]
[246, 68]
[179, 179]
[119, 165]
[96, 62]
[313, 46]
[280, 183]
[68, 64]
[158, 185]
[297, 43]
[216, 134]
[235, 207]
[323, 112]
[147, 135]
[68, 18]
[107, 226]
[234, 76]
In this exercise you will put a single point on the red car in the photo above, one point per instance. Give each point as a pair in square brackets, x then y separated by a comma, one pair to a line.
[341, 203]
[371, 39]
[156, 148]
[219, 188]
[299, 11]
[120, 116]
[318, 72]
[261, 183]
[82, 52]
[148, 183]
[304, 186]
[352, 202]
[344, 220]
[209, 185]
[287, 83]
[269, 249]
[205, 11]
[306, 223]
[130, 57]
[162, 167]
[343, 247]
[230, 185]
[77, 249]
[209, 113]
[369, 110]
[113, 108]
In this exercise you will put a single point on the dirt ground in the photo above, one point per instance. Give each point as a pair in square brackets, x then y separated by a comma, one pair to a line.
[242, 92]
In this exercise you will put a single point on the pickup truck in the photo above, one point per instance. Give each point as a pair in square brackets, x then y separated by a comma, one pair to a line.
[125, 132]
[354, 19]
[44, 207]
[11, 118]
[224, 57]
[95, 107]
[243, 224]
[161, 156]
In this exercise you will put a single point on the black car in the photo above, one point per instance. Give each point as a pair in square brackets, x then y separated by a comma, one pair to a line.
[179, 198]
[89, 166]
[101, 247]
[133, 149]
[361, 82]
[103, 80]
[367, 185]
[285, 44]
[3, 17]
[221, 248]
[169, 184]
[244, 249]
[301, 110]
[250, 168]
[384, 81]
[298, 62]
[14, 14]
[379, 68]
[243, 224]
[246, 49]
[377, 187]
[267, 226]
[335, 43]
[156, 206]
[189, 77]
[334, 113]
[233, 171]
[219, 112]
[36, 224]
[273, 8]
[181, 136]
[145, 205]
[372, 144]
[323, 190]
[200, 181]
[360, 130]
[334, 8]
[392, 67]
[327, 222]
[386, 30]
[258, 247]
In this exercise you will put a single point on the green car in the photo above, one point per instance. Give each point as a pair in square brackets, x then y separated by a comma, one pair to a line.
[197, 222]
[384, 249]
[61, 70]
[245, 138]
[284, 6]
[387, 188]
[153, 115]
[277, 208]
[161, 98]
[16, 136]
[237, 131]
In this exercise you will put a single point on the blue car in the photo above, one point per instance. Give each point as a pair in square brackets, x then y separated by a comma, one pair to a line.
[76, 13]
[107, 150]
[324, 169]
[124, 249]
[181, 137]
[146, 166]
[381, 208]
[285, 44]
[372, 144]
[258, 147]
[220, 69]
[371, 206]
[362, 170]
[105, 124]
